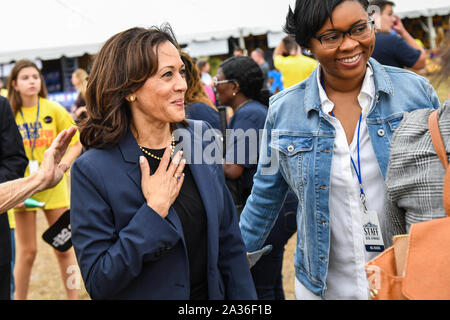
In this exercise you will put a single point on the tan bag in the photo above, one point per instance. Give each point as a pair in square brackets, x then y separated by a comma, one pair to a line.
[417, 266]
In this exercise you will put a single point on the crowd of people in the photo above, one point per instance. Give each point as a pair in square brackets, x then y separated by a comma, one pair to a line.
[169, 196]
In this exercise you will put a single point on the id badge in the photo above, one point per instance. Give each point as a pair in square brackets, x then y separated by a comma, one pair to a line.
[373, 240]
[33, 166]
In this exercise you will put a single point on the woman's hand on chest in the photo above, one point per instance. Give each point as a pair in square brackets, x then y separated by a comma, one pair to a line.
[162, 187]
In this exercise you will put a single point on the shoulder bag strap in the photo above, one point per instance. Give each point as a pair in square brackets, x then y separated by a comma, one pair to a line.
[436, 139]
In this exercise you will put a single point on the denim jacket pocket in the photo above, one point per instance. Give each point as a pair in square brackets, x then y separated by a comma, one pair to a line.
[392, 122]
[395, 122]
[292, 148]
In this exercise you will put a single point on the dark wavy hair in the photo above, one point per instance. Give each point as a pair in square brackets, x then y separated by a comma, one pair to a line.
[120, 68]
[309, 16]
[246, 72]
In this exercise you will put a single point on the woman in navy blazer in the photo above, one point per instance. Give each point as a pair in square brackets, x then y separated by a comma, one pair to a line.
[149, 222]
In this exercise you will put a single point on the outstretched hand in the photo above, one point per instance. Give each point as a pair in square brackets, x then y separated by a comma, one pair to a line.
[51, 169]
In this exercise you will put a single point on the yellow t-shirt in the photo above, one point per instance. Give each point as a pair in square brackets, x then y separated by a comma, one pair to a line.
[294, 69]
[53, 119]
[4, 93]
[12, 221]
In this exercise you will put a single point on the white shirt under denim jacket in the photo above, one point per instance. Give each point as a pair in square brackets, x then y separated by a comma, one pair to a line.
[303, 147]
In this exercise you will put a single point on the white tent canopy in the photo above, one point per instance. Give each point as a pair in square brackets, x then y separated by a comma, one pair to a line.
[417, 8]
[49, 29]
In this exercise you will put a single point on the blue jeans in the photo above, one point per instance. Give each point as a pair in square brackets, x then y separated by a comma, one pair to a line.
[267, 271]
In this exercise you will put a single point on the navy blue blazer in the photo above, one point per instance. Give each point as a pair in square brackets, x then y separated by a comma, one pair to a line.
[125, 250]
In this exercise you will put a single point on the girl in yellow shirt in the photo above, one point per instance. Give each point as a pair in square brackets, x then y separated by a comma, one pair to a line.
[39, 121]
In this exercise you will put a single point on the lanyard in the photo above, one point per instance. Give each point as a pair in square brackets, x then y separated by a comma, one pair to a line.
[357, 170]
[35, 129]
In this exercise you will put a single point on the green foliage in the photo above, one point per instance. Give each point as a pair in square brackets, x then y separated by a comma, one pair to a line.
[214, 63]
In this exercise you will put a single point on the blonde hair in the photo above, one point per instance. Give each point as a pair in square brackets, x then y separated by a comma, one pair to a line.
[82, 77]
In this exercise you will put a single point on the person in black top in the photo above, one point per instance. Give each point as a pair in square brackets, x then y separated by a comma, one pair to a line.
[151, 217]
[13, 163]
[191, 211]
[14, 189]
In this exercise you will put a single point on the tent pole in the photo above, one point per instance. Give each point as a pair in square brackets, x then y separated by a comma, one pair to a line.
[431, 32]
[242, 41]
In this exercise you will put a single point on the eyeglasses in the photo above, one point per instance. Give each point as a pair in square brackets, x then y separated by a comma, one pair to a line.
[217, 82]
[334, 39]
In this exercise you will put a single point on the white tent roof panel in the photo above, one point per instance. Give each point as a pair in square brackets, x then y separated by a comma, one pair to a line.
[49, 29]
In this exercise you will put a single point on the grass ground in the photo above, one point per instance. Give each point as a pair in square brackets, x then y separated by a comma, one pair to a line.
[45, 281]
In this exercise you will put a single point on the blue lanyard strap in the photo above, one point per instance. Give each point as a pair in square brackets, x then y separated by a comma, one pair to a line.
[35, 128]
[358, 170]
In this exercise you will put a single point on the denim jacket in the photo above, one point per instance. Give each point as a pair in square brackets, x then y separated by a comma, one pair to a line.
[296, 152]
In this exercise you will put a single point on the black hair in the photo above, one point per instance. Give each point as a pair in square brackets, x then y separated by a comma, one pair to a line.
[381, 4]
[248, 75]
[309, 16]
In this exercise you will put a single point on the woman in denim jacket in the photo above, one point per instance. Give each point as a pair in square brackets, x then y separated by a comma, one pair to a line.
[328, 138]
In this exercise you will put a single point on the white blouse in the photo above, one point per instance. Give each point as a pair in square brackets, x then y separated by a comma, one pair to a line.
[346, 278]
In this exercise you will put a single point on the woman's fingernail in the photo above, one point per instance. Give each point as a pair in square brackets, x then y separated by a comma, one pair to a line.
[141, 159]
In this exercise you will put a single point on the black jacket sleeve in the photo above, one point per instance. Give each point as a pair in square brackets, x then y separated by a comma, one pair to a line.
[13, 160]
[13, 163]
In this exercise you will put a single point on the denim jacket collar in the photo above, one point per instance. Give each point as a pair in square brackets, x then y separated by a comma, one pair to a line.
[312, 101]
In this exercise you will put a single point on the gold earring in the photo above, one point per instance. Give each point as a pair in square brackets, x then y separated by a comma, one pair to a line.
[132, 98]
[234, 93]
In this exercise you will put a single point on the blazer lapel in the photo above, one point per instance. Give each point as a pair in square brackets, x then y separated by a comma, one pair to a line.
[204, 179]
[130, 153]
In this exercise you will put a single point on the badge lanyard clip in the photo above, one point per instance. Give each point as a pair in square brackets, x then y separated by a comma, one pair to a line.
[373, 240]
[358, 170]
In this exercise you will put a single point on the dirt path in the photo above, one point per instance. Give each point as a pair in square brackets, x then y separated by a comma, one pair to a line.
[45, 282]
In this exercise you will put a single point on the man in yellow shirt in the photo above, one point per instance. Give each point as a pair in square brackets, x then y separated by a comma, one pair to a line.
[293, 65]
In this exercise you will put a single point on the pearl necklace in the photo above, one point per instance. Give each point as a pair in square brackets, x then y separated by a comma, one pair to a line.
[156, 157]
